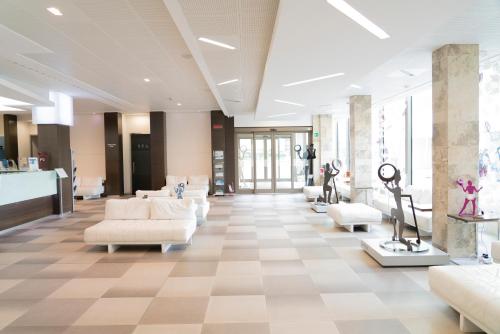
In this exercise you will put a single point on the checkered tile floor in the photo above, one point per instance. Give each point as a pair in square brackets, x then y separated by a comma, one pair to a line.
[261, 264]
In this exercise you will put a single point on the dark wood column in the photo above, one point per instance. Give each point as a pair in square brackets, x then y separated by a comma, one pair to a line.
[223, 140]
[10, 135]
[113, 153]
[54, 139]
[158, 133]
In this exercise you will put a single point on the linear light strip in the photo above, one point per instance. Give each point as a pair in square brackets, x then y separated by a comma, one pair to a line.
[227, 82]
[216, 43]
[55, 11]
[359, 18]
[288, 102]
[313, 79]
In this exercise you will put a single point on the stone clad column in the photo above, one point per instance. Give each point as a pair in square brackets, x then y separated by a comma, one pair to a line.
[360, 126]
[323, 143]
[455, 141]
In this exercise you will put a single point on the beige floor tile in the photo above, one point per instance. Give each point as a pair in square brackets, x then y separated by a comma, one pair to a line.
[148, 271]
[176, 311]
[187, 287]
[33, 289]
[278, 254]
[250, 254]
[6, 284]
[59, 270]
[106, 270]
[168, 329]
[306, 327]
[54, 312]
[10, 310]
[84, 288]
[355, 306]
[386, 326]
[306, 308]
[223, 309]
[292, 267]
[189, 269]
[115, 311]
[239, 328]
[237, 285]
[239, 268]
[134, 287]
[119, 329]
[289, 285]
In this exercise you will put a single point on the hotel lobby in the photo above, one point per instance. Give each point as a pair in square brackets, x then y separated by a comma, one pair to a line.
[249, 166]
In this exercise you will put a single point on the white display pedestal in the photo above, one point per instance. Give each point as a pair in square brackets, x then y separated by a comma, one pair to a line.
[319, 207]
[386, 258]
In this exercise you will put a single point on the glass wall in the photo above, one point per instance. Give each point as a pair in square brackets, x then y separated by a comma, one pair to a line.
[489, 135]
[422, 137]
[343, 142]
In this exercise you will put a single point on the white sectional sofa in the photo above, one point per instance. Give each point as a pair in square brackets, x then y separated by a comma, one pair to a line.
[137, 221]
[422, 197]
[198, 196]
[89, 187]
[195, 182]
[349, 215]
[473, 291]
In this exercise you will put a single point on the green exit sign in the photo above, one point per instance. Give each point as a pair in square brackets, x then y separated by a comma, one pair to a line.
[316, 134]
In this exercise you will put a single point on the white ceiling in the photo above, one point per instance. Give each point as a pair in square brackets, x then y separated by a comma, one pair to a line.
[100, 51]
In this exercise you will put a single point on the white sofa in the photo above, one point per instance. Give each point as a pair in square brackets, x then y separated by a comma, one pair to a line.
[349, 215]
[195, 182]
[137, 221]
[422, 196]
[198, 196]
[89, 187]
[473, 291]
[311, 193]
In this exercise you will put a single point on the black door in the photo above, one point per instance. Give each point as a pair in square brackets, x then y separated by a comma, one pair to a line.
[141, 162]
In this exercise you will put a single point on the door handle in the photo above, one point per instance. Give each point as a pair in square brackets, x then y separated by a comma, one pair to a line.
[133, 167]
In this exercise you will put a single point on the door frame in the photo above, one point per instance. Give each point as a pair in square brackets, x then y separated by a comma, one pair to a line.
[251, 133]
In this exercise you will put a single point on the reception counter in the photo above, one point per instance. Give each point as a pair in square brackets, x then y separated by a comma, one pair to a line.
[26, 196]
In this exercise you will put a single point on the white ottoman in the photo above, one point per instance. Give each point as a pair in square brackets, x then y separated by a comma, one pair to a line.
[349, 215]
[312, 192]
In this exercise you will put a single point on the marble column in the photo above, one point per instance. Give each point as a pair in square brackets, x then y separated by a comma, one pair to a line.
[360, 129]
[455, 142]
[323, 142]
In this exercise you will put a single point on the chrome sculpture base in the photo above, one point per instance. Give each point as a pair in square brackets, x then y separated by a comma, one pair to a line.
[393, 257]
[396, 246]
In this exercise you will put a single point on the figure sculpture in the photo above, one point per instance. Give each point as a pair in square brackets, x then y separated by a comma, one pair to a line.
[331, 171]
[309, 155]
[470, 192]
[397, 214]
[179, 190]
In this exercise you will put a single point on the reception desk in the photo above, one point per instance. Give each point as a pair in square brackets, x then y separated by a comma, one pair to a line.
[26, 196]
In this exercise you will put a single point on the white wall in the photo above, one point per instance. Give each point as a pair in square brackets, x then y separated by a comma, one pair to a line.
[189, 144]
[87, 142]
[132, 123]
[248, 121]
[24, 131]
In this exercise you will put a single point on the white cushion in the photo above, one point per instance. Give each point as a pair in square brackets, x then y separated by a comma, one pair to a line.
[313, 191]
[152, 193]
[175, 180]
[170, 208]
[129, 209]
[354, 213]
[473, 290]
[140, 231]
[198, 180]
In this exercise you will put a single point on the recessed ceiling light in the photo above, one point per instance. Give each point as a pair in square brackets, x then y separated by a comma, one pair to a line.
[281, 115]
[5, 108]
[313, 79]
[291, 103]
[227, 82]
[4, 101]
[147, 79]
[359, 18]
[179, 104]
[355, 86]
[55, 11]
[216, 43]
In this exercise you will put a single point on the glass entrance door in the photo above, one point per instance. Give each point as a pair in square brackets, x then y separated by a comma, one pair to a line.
[268, 162]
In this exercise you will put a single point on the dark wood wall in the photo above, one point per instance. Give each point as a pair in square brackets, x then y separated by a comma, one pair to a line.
[22, 212]
[113, 153]
[158, 133]
[54, 139]
[10, 136]
[223, 139]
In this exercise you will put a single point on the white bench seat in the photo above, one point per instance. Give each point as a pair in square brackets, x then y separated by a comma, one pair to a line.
[349, 215]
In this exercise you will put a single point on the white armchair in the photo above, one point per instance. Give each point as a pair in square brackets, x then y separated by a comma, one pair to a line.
[89, 187]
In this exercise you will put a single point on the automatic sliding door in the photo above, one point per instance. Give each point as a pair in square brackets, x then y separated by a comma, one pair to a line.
[245, 162]
[263, 162]
[283, 161]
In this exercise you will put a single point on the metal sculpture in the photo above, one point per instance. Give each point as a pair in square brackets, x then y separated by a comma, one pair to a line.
[331, 171]
[470, 190]
[309, 155]
[179, 190]
[397, 214]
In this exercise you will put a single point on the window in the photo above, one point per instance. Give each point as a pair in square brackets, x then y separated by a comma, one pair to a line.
[422, 137]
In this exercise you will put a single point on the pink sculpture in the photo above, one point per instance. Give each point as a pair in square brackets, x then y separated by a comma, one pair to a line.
[470, 191]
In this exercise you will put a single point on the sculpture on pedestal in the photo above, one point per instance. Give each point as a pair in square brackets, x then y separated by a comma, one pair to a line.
[470, 192]
[331, 171]
[391, 183]
[179, 190]
[309, 155]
